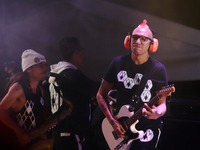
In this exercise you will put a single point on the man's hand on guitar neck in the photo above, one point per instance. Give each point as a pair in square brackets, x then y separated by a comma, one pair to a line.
[157, 111]
[151, 113]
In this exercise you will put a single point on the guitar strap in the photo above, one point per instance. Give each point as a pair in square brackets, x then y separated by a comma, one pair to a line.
[136, 97]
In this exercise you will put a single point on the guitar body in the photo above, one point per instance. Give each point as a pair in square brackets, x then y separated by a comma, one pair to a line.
[114, 142]
[128, 120]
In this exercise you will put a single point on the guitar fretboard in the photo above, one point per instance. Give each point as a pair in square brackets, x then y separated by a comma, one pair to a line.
[138, 114]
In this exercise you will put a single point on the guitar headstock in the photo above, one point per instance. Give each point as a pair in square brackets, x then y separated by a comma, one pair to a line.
[167, 90]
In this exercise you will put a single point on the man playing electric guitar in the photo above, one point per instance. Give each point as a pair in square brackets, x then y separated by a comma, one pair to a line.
[126, 74]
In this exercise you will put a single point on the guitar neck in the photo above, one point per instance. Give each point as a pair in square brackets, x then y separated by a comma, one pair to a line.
[50, 124]
[139, 114]
[41, 130]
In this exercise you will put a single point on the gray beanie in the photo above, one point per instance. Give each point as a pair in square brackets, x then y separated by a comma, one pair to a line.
[30, 58]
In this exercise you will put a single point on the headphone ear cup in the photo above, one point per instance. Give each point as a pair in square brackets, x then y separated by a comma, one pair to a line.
[154, 46]
[127, 42]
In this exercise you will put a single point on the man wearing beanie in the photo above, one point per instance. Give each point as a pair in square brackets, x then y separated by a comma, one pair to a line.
[22, 108]
[73, 132]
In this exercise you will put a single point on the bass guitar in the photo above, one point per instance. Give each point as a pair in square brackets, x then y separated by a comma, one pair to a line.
[41, 130]
[129, 120]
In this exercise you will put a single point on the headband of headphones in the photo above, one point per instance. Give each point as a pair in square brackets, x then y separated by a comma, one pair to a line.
[154, 42]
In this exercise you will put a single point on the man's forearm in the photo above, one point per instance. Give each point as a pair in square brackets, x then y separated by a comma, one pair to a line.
[104, 108]
[4, 117]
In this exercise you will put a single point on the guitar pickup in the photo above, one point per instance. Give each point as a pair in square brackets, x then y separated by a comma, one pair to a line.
[115, 135]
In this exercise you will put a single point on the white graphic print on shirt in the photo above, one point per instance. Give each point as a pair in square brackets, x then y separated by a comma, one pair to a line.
[28, 115]
[129, 84]
[55, 98]
[148, 136]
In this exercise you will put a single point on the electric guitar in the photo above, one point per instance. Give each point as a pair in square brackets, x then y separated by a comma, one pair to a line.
[128, 120]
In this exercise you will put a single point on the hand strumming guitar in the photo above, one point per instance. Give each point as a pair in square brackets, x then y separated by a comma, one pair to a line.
[22, 138]
[117, 128]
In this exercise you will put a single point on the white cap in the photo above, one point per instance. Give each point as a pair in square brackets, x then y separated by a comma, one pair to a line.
[30, 58]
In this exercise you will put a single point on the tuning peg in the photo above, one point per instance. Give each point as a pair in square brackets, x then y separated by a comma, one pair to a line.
[167, 86]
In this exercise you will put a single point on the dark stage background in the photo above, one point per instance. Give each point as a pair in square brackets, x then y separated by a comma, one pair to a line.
[182, 120]
[101, 26]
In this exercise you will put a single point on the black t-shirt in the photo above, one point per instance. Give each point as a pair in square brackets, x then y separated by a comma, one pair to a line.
[126, 77]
